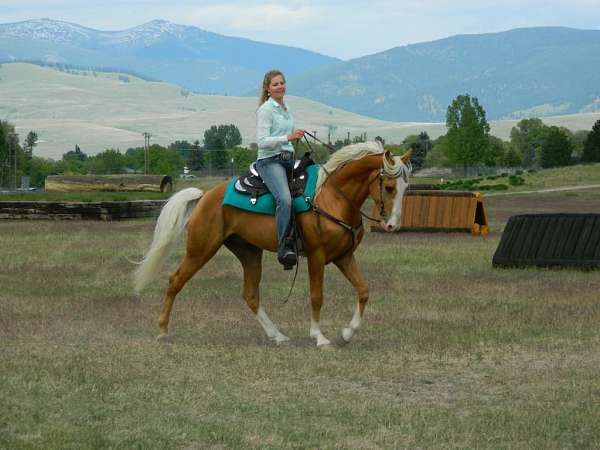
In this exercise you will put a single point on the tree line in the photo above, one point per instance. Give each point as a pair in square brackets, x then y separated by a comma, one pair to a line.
[221, 149]
[468, 142]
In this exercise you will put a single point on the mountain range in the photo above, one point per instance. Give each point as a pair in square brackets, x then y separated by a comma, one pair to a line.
[195, 59]
[518, 73]
[514, 74]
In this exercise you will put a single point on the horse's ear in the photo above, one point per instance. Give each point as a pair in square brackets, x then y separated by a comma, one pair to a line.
[389, 156]
[406, 157]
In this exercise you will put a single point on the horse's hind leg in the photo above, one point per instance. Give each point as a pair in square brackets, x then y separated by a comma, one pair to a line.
[192, 263]
[347, 265]
[251, 259]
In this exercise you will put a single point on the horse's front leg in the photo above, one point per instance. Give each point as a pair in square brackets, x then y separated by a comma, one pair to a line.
[347, 265]
[316, 269]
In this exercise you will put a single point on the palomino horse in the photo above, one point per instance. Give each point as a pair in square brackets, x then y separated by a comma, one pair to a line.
[330, 235]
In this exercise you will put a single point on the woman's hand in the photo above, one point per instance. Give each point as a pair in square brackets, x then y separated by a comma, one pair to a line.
[295, 135]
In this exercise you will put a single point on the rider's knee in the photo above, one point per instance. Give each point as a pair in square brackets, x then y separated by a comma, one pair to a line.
[285, 200]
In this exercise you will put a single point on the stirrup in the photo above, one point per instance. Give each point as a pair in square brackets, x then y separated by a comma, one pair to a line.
[288, 260]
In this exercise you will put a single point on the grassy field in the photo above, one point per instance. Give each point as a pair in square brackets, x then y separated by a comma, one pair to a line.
[577, 175]
[453, 353]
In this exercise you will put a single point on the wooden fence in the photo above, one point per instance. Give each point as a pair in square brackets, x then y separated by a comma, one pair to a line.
[110, 183]
[80, 210]
[434, 210]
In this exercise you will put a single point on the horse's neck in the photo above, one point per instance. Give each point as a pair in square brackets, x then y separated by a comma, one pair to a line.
[353, 180]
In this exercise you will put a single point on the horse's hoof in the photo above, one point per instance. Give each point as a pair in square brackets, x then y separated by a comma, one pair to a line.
[341, 342]
[281, 339]
[165, 338]
[327, 347]
[347, 334]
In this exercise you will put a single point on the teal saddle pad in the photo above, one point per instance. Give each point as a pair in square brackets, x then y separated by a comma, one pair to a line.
[265, 204]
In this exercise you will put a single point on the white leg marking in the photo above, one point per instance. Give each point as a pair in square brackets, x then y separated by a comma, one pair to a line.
[315, 332]
[272, 332]
[353, 326]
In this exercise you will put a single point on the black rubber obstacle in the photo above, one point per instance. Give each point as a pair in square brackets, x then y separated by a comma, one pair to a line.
[550, 240]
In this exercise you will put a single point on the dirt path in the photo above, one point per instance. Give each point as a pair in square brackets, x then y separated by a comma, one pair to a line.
[569, 188]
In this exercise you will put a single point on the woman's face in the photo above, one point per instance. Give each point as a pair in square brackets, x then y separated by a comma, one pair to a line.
[277, 88]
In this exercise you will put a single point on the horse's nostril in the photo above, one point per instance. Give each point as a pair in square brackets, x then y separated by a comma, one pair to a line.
[389, 227]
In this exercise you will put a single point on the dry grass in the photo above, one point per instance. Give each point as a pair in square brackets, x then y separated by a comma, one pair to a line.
[453, 354]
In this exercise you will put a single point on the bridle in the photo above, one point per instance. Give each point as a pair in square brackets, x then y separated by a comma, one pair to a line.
[387, 169]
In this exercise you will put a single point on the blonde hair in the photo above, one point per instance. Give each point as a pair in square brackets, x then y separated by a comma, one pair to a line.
[264, 92]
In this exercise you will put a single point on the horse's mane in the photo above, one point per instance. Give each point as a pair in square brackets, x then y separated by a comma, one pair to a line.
[346, 154]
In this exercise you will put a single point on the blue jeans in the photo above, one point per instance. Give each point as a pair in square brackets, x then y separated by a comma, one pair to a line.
[273, 172]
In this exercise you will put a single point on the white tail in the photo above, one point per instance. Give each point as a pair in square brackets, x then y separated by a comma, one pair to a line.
[170, 225]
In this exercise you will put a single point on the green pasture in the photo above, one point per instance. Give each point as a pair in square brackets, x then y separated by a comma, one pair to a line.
[452, 354]
[577, 175]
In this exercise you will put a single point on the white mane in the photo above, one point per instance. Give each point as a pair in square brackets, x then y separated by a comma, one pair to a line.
[346, 154]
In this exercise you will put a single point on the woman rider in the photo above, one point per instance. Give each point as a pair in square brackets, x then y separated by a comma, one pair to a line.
[274, 133]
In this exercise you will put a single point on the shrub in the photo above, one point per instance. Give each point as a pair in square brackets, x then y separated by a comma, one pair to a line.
[515, 180]
[493, 187]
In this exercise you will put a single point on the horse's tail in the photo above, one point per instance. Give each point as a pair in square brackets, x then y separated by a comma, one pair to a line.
[170, 225]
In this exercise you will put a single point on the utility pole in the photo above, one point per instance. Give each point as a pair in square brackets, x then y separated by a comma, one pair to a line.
[146, 153]
[13, 139]
[315, 136]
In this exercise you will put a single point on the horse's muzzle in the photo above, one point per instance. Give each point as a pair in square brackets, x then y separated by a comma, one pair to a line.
[388, 226]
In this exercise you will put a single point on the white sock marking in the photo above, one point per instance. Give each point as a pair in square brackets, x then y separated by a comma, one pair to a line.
[353, 326]
[315, 332]
[269, 327]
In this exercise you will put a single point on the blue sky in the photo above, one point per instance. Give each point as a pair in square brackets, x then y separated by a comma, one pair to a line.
[345, 29]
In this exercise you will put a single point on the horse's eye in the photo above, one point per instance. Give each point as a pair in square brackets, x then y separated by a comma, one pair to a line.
[390, 189]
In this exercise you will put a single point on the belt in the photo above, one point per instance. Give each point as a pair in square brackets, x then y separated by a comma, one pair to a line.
[285, 156]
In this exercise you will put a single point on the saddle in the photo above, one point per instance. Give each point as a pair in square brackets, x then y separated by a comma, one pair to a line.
[252, 185]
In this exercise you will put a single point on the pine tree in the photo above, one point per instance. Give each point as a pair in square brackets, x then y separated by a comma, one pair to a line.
[556, 149]
[30, 142]
[591, 146]
[195, 160]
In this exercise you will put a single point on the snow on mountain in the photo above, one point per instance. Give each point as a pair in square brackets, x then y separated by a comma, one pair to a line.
[48, 30]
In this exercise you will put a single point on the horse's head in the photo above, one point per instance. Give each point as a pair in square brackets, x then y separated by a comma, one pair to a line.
[388, 190]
